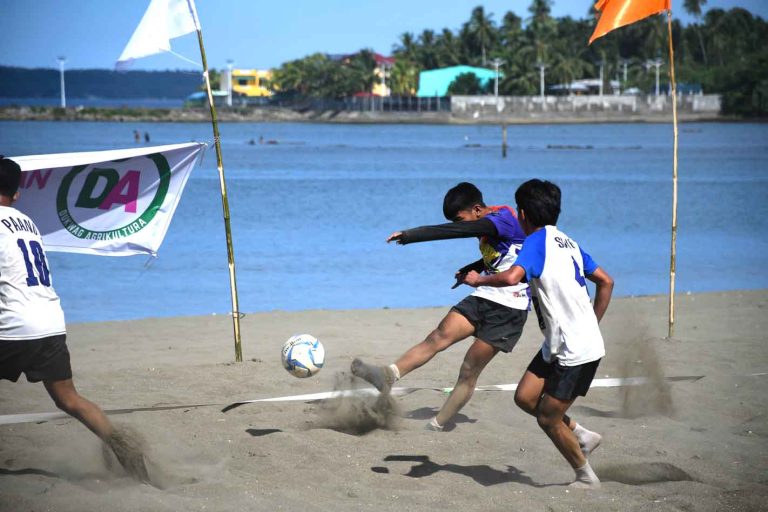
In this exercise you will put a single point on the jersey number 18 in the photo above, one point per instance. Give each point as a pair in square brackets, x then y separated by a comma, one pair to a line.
[43, 274]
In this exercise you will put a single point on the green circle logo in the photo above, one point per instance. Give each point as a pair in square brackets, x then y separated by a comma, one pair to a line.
[79, 231]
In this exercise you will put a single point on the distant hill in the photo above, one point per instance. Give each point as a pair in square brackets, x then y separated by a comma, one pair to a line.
[99, 83]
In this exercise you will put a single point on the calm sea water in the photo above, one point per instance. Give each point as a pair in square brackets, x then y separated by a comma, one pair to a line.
[310, 214]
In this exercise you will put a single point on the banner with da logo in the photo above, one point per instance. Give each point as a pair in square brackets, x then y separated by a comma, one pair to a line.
[112, 203]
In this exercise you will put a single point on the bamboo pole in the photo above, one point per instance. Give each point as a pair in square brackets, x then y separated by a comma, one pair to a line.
[224, 200]
[673, 252]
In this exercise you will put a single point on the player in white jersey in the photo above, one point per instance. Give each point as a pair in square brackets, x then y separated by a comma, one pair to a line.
[556, 268]
[32, 328]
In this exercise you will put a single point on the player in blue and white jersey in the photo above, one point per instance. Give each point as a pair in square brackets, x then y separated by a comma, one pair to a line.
[32, 328]
[556, 269]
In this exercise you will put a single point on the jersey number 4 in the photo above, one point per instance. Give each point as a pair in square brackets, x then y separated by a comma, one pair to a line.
[579, 275]
[43, 274]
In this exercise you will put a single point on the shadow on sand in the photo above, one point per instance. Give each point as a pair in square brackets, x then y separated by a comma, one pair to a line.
[643, 473]
[29, 471]
[259, 432]
[482, 474]
[427, 413]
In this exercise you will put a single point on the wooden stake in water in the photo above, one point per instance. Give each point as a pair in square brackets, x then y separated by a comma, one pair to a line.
[503, 141]
[224, 200]
[673, 252]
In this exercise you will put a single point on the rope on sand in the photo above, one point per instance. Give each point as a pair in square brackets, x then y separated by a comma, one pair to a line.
[10, 419]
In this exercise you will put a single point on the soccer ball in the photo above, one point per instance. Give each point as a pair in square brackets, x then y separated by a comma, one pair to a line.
[303, 355]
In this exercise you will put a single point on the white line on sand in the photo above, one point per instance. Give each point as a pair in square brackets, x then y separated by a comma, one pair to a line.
[41, 417]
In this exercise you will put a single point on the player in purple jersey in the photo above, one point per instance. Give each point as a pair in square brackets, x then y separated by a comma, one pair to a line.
[495, 316]
[556, 268]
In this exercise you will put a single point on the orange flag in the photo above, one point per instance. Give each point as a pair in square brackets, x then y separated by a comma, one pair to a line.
[617, 13]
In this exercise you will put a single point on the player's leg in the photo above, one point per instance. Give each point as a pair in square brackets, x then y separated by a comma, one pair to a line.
[454, 327]
[66, 398]
[549, 416]
[529, 393]
[127, 451]
[477, 357]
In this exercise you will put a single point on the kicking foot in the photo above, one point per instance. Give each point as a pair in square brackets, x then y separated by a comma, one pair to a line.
[128, 450]
[380, 377]
[434, 426]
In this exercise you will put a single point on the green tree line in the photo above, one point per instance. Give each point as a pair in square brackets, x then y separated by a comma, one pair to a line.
[723, 51]
[99, 83]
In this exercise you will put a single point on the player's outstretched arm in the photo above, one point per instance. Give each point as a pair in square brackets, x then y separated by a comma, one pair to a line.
[507, 278]
[467, 229]
[604, 289]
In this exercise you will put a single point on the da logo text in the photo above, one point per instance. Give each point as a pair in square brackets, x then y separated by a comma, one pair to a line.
[88, 192]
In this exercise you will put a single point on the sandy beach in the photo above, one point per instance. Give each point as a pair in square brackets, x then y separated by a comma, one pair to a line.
[693, 445]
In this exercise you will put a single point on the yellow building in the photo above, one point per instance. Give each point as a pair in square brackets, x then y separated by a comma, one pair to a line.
[382, 72]
[251, 82]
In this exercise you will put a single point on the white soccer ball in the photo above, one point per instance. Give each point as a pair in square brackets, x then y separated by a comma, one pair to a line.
[303, 355]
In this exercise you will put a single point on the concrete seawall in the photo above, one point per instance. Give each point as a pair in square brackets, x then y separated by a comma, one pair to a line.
[464, 110]
[522, 109]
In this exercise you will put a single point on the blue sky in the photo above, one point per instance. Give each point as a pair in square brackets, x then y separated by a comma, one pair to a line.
[253, 33]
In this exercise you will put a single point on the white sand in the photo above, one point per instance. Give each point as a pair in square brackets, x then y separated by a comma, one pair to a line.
[681, 446]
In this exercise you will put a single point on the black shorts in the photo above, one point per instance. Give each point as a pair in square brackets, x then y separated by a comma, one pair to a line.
[563, 382]
[495, 324]
[40, 359]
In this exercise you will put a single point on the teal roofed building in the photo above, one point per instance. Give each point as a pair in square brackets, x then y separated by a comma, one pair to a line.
[435, 82]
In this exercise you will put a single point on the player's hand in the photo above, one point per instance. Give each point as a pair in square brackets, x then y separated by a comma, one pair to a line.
[472, 278]
[397, 236]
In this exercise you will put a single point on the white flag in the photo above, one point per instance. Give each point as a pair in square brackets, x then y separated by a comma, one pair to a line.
[163, 21]
[112, 203]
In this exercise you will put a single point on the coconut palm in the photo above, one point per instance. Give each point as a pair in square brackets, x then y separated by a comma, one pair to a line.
[404, 78]
[693, 7]
[427, 53]
[448, 49]
[482, 31]
[407, 47]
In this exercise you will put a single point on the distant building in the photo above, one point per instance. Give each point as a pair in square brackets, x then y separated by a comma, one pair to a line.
[382, 71]
[200, 99]
[251, 83]
[585, 86]
[435, 82]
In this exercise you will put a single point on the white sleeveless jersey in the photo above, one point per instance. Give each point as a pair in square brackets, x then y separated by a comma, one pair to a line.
[29, 306]
[555, 267]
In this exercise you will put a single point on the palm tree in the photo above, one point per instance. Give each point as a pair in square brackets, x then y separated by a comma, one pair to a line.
[569, 63]
[541, 27]
[404, 78]
[448, 50]
[511, 31]
[427, 54]
[693, 7]
[407, 47]
[482, 30]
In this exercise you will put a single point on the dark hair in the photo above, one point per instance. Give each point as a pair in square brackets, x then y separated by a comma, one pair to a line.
[10, 176]
[461, 197]
[540, 200]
